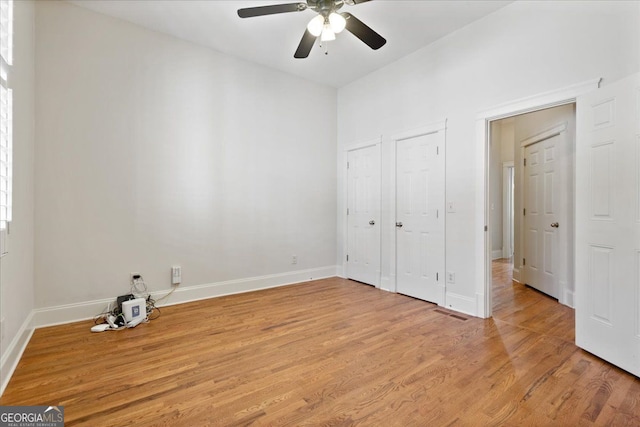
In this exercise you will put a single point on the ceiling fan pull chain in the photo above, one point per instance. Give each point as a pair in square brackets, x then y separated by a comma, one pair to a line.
[324, 46]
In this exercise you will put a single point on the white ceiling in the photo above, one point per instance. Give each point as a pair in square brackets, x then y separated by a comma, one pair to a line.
[272, 40]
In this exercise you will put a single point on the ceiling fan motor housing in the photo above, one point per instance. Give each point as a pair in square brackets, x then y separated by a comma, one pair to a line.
[325, 7]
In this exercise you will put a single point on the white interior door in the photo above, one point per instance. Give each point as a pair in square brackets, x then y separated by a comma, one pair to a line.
[608, 223]
[363, 215]
[544, 206]
[420, 241]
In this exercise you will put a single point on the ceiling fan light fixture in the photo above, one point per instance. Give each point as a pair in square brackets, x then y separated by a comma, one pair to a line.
[337, 22]
[327, 33]
[316, 25]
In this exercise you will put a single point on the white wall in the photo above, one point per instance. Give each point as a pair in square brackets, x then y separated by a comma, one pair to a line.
[507, 139]
[524, 49]
[16, 268]
[153, 152]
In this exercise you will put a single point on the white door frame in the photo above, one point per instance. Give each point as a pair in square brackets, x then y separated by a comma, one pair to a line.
[391, 225]
[345, 197]
[507, 208]
[566, 95]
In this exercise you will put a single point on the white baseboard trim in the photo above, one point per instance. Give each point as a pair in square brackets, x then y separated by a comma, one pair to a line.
[13, 353]
[567, 295]
[341, 271]
[68, 313]
[385, 283]
[496, 254]
[461, 303]
[480, 306]
[239, 286]
[516, 275]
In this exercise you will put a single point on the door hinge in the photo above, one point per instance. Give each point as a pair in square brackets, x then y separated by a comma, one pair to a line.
[347, 211]
[525, 162]
[524, 211]
[347, 165]
[437, 150]
[524, 261]
[437, 213]
[437, 277]
[347, 257]
[486, 228]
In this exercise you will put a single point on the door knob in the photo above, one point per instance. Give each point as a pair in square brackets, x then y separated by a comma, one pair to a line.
[555, 224]
[372, 222]
[399, 224]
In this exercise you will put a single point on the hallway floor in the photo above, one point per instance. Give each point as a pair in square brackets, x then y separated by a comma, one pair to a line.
[522, 306]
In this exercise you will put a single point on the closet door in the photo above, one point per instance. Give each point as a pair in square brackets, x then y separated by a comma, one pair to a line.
[363, 215]
[420, 244]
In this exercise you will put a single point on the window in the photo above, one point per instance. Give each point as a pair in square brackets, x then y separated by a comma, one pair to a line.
[6, 118]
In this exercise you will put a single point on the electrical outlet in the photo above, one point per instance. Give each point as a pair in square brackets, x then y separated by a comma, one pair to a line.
[294, 259]
[451, 277]
[176, 275]
[134, 273]
[451, 207]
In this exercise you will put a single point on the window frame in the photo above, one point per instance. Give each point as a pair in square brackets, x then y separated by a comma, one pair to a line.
[6, 121]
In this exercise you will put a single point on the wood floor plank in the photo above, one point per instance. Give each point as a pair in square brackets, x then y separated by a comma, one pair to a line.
[329, 352]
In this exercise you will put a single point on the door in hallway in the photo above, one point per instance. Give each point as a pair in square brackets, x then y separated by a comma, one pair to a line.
[543, 209]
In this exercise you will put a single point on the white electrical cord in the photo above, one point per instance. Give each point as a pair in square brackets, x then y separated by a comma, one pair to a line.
[166, 296]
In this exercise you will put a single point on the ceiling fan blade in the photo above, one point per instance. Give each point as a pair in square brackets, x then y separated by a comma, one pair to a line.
[304, 48]
[250, 12]
[363, 32]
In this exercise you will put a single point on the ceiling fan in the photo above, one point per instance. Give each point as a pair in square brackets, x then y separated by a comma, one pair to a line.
[325, 25]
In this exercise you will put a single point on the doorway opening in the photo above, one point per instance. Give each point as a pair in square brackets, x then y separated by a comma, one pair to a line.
[530, 205]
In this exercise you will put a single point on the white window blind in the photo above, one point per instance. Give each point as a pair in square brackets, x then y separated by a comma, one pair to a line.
[6, 119]
[6, 31]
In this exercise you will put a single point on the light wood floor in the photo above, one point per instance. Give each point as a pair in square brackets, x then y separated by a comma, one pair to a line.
[329, 352]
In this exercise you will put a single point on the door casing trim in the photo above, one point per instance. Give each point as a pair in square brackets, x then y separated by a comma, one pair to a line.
[482, 250]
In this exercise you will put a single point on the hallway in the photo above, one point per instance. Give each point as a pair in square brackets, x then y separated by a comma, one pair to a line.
[522, 306]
